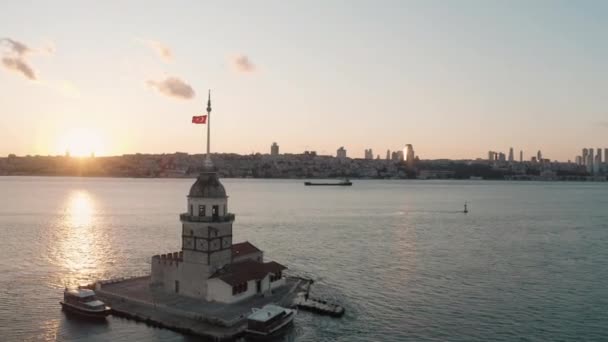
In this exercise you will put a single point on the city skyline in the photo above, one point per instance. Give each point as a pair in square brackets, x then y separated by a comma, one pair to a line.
[405, 72]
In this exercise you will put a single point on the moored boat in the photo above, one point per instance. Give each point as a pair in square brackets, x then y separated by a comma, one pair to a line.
[84, 302]
[269, 320]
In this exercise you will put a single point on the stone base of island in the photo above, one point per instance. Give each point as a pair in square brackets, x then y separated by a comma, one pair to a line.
[136, 299]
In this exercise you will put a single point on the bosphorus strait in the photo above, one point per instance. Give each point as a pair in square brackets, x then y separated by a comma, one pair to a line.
[528, 262]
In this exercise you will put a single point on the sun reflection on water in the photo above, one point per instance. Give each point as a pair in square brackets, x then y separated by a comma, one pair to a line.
[80, 210]
[79, 241]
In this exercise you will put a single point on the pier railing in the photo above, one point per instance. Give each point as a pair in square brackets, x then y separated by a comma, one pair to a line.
[191, 218]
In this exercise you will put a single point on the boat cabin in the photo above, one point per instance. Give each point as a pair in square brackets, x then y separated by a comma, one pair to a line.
[268, 319]
[83, 297]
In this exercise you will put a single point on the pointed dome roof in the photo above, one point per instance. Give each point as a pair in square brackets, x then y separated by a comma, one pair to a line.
[207, 185]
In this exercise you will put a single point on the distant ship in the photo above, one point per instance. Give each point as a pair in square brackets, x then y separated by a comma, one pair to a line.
[345, 182]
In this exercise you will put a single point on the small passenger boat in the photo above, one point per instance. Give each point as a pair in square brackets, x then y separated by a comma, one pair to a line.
[269, 320]
[83, 302]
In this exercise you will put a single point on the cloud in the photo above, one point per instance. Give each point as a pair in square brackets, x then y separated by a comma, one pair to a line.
[242, 63]
[16, 47]
[13, 58]
[163, 51]
[173, 87]
[19, 65]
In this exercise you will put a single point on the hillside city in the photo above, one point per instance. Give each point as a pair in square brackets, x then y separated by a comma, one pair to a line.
[589, 166]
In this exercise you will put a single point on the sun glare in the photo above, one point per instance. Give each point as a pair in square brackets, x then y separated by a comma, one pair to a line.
[82, 143]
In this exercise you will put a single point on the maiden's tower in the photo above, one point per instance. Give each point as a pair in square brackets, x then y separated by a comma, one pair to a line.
[210, 286]
[210, 266]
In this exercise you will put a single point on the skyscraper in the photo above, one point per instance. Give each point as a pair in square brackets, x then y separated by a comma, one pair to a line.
[590, 160]
[510, 154]
[388, 154]
[410, 156]
[502, 157]
[539, 156]
[491, 156]
[369, 154]
[274, 149]
[597, 162]
[521, 156]
[585, 156]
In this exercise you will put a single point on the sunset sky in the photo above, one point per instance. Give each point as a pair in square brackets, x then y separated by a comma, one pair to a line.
[453, 78]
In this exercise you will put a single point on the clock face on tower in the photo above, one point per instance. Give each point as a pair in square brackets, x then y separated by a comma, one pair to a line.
[187, 243]
[201, 245]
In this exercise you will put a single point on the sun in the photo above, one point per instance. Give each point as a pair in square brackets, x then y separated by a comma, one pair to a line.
[82, 142]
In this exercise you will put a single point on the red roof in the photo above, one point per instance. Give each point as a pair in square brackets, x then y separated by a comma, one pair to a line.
[243, 248]
[240, 272]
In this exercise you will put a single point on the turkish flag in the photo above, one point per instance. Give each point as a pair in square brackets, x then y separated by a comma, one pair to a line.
[199, 119]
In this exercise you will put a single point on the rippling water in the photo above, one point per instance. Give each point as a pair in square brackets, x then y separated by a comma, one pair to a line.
[529, 262]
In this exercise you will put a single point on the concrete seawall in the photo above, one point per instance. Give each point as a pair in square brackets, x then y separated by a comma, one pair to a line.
[134, 299]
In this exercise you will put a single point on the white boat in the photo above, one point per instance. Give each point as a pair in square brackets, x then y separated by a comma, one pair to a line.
[269, 320]
[84, 302]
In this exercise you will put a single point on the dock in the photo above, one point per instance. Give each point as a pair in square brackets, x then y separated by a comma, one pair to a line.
[319, 306]
[135, 299]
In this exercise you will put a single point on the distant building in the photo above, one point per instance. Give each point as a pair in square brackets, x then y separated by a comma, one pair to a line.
[274, 149]
[521, 156]
[539, 155]
[369, 154]
[491, 156]
[585, 156]
[397, 156]
[388, 154]
[502, 157]
[511, 155]
[410, 155]
[590, 160]
[579, 160]
[341, 153]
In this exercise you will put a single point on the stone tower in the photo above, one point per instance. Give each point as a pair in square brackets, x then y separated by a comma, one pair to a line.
[206, 234]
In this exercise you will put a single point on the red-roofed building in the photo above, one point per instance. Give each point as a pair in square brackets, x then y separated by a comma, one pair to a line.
[244, 279]
[245, 250]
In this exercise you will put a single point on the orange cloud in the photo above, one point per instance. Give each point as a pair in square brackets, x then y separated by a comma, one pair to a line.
[163, 51]
[242, 63]
[173, 87]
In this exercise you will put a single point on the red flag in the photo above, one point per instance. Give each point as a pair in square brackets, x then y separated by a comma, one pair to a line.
[199, 119]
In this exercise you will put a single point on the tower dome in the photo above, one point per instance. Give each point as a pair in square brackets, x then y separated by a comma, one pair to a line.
[207, 185]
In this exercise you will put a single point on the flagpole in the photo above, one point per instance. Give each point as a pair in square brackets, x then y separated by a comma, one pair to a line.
[208, 162]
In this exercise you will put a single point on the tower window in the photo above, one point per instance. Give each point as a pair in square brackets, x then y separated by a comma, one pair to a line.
[191, 210]
[215, 210]
[225, 210]
[201, 210]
